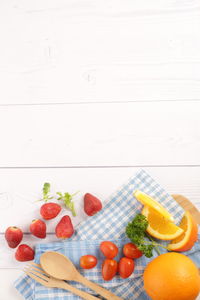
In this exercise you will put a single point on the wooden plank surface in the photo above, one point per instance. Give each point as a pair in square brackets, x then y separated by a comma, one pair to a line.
[20, 188]
[128, 72]
[129, 134]
[85, 51]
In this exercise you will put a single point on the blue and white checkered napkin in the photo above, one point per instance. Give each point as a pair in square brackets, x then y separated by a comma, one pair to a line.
[109, 224]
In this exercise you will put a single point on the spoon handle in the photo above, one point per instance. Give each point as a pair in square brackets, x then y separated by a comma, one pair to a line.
[187, 205]
[63, 285]
[97, 288]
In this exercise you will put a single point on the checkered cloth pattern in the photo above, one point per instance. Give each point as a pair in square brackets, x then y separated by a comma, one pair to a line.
[108, 224]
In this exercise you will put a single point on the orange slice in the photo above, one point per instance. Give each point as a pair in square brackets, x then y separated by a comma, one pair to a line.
[159, 227]
[149, 201]
[187, 239]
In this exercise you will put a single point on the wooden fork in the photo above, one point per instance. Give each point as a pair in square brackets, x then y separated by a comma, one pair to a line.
[36, 272]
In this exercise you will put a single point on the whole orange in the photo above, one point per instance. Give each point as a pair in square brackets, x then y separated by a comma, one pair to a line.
[172, 276]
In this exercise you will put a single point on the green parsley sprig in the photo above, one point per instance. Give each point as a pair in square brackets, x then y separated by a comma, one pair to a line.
[46, 192]
[67, 199]
[136, 232]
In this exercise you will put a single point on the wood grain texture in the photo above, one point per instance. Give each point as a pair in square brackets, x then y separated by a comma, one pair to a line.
[159, 133]
[8, 291]
[189, 206]
[20, 188]
[93, 52]
[51, 282]
[85, 51]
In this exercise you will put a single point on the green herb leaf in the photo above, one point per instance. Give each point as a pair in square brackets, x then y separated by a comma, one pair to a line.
[147, 250]
[46, 189]
[67, 199]
[136, 232]
[46, 192]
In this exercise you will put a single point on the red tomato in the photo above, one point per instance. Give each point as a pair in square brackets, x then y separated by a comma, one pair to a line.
[109, 249]
[88, 261]
[131, 251]
[126, 267]
[109, 269]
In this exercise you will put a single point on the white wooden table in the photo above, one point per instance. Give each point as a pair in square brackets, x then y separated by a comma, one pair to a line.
[90, 91]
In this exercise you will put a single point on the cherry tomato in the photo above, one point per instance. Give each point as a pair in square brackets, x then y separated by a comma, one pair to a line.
[109, 249]
[109, 269]
[126, 267]
[131, 251]
[88, 261]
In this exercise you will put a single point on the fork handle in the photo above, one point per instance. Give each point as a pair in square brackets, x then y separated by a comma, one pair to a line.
[70, 288]
[97, 288]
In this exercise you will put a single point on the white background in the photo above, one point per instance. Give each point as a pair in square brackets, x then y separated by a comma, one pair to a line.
[90, 91]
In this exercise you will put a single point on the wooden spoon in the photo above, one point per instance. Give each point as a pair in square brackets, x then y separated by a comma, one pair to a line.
[61, 267]
[187, 205]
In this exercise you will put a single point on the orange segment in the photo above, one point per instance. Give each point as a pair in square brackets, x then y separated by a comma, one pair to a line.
[159, 227]
[149, 201]
[187, 239]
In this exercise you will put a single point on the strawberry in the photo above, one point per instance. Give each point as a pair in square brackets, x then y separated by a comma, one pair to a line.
[13, 236]
[91, 204]
[64, 228]
[38, 228]
[50, 210]
[24, 253]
